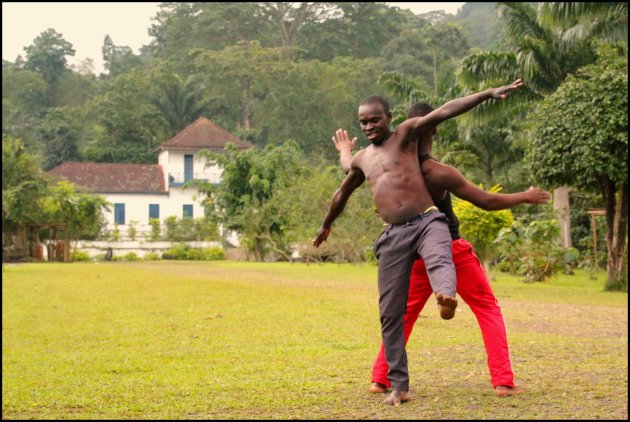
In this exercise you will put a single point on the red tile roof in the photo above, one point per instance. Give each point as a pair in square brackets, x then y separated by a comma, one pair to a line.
[202, 134]
[113, 177]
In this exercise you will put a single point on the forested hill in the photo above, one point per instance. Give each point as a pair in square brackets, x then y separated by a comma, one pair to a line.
[268, 72]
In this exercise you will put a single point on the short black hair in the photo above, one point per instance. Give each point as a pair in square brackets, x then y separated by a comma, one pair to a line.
[377, 99]
[419, 109]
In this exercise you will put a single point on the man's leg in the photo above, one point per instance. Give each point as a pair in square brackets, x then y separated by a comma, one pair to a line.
[419, 292]
[434, 246]
[474, 288]
[395, 254]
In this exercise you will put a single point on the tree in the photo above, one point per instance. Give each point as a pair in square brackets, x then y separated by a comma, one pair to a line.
[242, 201]
[127, 124]
[47, 57]
[180, 100]
[538, 50]
[238, 76]
[361, 30]
[606, 20]
[60, 135]
[83, 212]
[23, 186]
[429, 52]
[185, 26]
[589, 150]
[23, 103]
[289, 17]
[479, 24]
[118, 59]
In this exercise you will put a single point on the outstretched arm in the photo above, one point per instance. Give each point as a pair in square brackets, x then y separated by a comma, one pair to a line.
[456, 107]
[451, 179]
[353, 180]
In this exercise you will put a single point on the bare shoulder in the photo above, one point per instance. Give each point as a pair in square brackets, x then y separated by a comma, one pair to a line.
[359, 156]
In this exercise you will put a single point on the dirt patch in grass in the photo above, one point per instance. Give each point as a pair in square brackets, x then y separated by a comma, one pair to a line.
[564, 319]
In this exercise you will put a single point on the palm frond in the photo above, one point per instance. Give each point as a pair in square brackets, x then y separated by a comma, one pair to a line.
[580, 20]
[486, 69]
[520, 20]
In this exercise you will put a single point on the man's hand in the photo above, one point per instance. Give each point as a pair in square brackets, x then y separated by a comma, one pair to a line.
[342, 141]
[322, 235]
[501, 93]
[537, 196]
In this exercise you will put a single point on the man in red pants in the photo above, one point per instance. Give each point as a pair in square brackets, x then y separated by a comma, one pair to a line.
[472, 283]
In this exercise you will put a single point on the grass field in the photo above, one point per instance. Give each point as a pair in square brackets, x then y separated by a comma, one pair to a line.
[235, 340]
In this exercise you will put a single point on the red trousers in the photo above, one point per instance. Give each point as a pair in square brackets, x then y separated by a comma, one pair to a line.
[473, 287]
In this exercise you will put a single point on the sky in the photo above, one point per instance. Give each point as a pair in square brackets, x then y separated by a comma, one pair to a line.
[85, 24]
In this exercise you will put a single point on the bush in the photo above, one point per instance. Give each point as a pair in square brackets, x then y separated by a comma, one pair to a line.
[187, 229]
[131, 257]
[80, 256]
[534, 251]
[132, 231]
[213, 254]
[152, 256]
[481, 227]
[185, 252]
[156, 230]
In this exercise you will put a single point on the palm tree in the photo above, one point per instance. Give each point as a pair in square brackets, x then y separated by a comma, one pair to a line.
[181, 101]
[543, 46]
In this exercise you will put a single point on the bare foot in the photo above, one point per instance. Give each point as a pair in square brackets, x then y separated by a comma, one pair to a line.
[447, 305]
[397, 397]
[377, 388]
[504, 390]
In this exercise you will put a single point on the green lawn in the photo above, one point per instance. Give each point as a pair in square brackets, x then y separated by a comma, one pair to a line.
[234, 340]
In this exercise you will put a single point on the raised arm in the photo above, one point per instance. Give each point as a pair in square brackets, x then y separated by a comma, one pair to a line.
[345, 146]
[449, 178]
[353, 180]
[417, 125]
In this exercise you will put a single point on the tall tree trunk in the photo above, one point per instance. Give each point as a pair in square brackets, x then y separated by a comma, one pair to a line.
[562, 210]
[246, 100]
[616, 225]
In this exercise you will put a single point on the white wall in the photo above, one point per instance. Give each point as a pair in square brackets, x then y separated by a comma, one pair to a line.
[170, 203]
[173, 163]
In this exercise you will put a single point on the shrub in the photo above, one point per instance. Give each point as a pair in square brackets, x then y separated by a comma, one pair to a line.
[213, 254]
[185, 252]
[534, 251]
[152, 256]
[132, 231]
[156, 230]
[116, 233]
[131, 256]
[481, 227]
[80, 256]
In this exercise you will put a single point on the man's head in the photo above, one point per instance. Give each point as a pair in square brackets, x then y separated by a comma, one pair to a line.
[374, 118]
[420, 109]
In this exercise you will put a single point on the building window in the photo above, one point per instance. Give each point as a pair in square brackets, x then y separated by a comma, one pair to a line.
[188, 211]
[119, 214]
[188, 167]
[154, 211]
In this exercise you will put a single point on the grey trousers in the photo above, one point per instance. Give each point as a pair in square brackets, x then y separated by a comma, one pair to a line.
[399, 245]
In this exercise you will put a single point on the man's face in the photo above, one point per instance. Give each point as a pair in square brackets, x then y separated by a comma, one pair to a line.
[374, 122]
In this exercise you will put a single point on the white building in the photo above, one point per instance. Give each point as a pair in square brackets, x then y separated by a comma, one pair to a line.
[139, 192]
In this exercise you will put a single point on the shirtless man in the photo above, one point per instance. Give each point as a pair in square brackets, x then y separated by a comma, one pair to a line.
[417, 228]
[472, 282]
